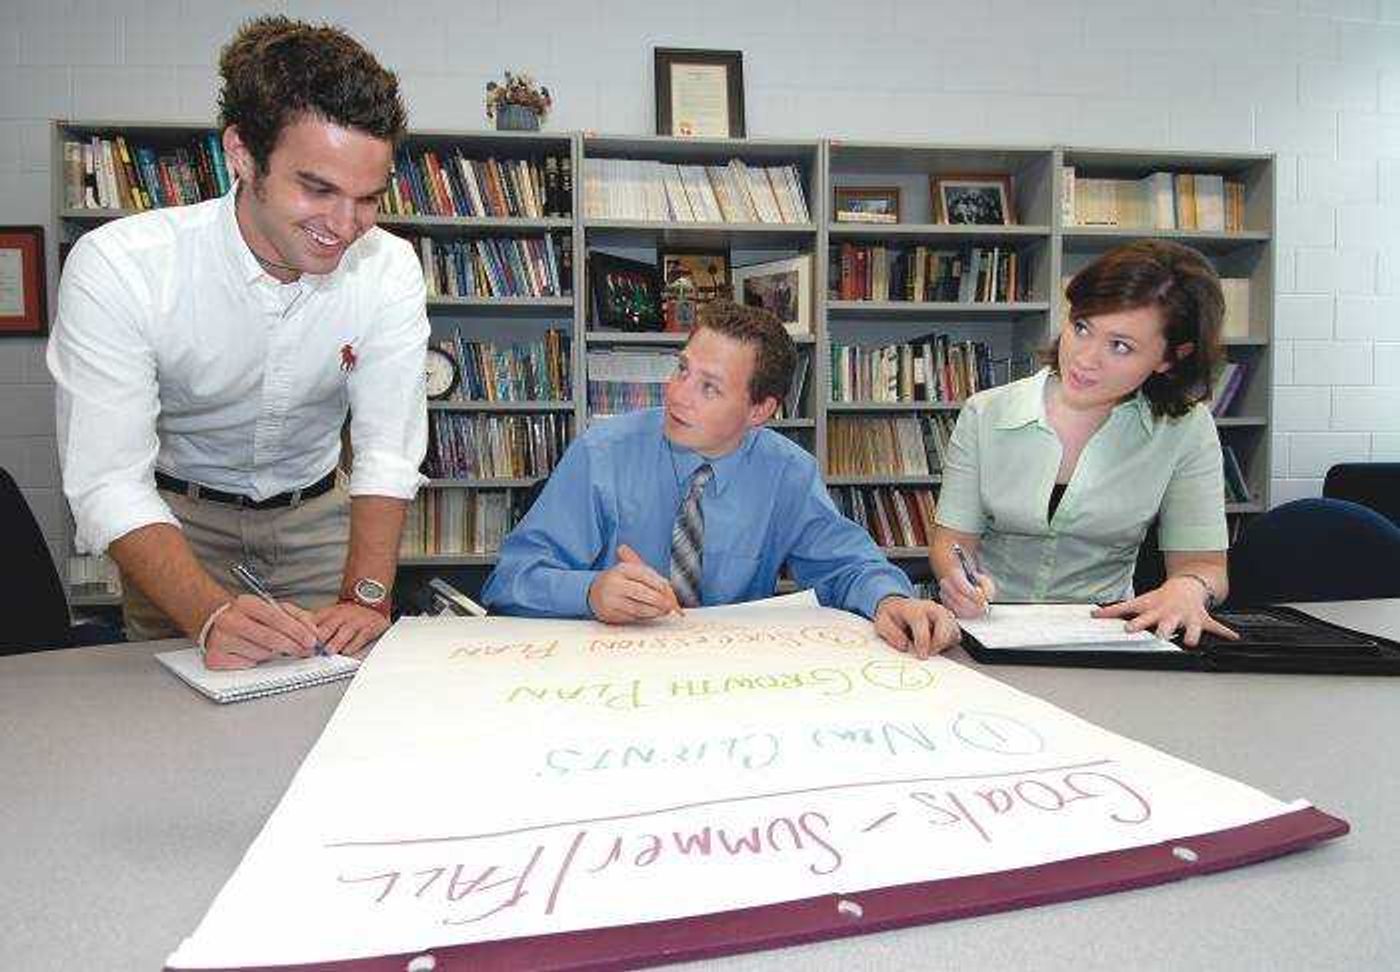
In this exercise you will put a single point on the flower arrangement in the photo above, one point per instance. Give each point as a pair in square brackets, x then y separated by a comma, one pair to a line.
[517, 89]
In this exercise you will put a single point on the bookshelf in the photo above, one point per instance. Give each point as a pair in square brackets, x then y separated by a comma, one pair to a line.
[1049, 246]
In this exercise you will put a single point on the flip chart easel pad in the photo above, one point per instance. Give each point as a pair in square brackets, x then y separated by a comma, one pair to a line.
[494, 778]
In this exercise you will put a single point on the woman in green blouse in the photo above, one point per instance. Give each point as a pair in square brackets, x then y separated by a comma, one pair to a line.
[1052, 481]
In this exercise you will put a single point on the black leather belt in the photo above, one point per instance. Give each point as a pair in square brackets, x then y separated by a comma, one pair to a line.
[293, 498]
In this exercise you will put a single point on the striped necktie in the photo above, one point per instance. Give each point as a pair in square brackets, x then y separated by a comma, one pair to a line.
[688, 541]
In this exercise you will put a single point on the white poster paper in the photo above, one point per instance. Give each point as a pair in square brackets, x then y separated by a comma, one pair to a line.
[493, 778]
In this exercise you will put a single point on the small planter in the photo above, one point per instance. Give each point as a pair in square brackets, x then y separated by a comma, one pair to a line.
[516, 118]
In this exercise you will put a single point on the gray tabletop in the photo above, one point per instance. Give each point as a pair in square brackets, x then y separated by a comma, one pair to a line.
[126, 801]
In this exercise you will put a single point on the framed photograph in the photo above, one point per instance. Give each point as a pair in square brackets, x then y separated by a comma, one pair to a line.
[781, 286]
[626, 293]
[23, 284]
[867, 204]
[699, 93]
[695, 277]
[984, 200]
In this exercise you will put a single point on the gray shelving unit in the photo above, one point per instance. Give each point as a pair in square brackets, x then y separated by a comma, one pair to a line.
[1051, 250]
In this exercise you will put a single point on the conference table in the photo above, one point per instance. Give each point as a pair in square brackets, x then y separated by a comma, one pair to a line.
[128, 800]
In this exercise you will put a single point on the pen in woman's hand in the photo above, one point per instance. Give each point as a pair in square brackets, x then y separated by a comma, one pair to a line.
[968, 572]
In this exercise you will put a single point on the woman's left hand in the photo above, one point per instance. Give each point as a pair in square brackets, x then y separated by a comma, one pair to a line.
[1179, 604]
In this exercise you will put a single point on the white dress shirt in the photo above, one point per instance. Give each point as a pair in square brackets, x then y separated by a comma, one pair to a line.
[172, 349]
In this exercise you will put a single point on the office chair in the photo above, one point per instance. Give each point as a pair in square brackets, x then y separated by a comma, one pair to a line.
[1315, 550]
[1373, 484]
[32, 584]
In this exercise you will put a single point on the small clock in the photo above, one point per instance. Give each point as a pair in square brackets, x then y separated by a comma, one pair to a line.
[442, 372]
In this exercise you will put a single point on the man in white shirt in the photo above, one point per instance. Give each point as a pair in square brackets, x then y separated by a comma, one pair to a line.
[206, 357]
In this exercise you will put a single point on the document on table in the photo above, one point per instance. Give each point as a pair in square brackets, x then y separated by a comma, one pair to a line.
[1062, 627]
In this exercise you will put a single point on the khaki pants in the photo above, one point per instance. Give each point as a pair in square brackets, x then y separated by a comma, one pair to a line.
[298, 551]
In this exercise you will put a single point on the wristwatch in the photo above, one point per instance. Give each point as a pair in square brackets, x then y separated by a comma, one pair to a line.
[370, 593]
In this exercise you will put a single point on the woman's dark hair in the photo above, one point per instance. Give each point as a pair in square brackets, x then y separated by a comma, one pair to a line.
[277, 70]
[774, 353]
[1185, 287]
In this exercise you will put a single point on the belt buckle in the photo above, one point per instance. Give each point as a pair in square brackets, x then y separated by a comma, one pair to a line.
[295, 500]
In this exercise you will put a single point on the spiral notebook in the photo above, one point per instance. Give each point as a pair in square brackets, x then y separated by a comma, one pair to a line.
[282, 675]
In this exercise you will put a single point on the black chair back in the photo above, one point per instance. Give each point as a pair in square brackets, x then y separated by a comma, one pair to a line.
[1373, 484]
[39, 618]
[1315, 550]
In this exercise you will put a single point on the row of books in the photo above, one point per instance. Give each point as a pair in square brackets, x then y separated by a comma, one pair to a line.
[644, 189]
[426, 183]
[497, 266]
[903, 445]
[1236, 486]
[111, 173]
[894, 517]
[475, 446]
[457, 521]
[933, 369]
[1226, 387]
[969, 275]
[1162, 200]
[524, 371]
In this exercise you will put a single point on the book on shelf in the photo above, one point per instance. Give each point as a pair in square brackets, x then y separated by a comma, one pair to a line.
[973, 274]
[449, 182]
[1226, 387]
[936, 368]
[1235, 323]
[893, 516]
[1160, 200]
[109, 172]
[458, 521]
[1236, 486]
[791, 406]
[540, 266]
[737, 192]
[488, 446]
[625, 380]
[902, 445]
[522, 371]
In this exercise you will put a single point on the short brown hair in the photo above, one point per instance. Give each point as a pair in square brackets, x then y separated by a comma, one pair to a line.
[774, 354]
[1184, 286]
[277, 70]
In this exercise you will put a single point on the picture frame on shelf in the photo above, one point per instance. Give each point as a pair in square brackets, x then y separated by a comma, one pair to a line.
[699, 93]
[707, 271]
[23, 282]
[978, 200]
[783, 287]
[626, 294]
[866, 204]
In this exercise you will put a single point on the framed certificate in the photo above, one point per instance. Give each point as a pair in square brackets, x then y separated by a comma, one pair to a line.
[699, 93]
[23, 285]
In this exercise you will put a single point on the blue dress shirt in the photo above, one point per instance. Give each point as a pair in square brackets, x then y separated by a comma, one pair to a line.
[623, 481]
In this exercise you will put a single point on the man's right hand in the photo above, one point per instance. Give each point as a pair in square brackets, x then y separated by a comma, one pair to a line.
[631, 591]
[964, 600]
[251, 631]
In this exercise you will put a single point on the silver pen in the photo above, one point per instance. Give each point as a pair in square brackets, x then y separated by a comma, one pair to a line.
[968, 572]
[249, 579]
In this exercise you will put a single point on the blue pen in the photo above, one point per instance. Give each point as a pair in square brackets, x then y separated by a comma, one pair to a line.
[967, 570]
[255, 586]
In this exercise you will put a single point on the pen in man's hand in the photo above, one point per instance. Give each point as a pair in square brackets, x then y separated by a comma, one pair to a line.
[967, 570]
[255, 586]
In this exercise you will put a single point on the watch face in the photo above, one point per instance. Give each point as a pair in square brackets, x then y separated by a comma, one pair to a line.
[441, 371]
[369, 591]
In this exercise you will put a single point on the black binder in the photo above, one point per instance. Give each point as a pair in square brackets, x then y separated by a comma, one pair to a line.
[1272, 639]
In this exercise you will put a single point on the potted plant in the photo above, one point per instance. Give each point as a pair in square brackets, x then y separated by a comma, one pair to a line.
[518, 103]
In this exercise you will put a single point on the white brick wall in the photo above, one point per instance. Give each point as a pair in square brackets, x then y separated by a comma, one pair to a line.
[1318, 81]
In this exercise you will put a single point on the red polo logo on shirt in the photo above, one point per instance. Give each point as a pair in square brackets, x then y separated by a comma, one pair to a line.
[347, 358]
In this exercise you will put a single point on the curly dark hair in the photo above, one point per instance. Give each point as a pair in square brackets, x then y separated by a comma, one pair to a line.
[1183, 284]
[276, 70]
[775, 355]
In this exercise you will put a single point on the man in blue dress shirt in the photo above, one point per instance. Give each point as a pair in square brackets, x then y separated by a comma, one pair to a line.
[607, 536]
